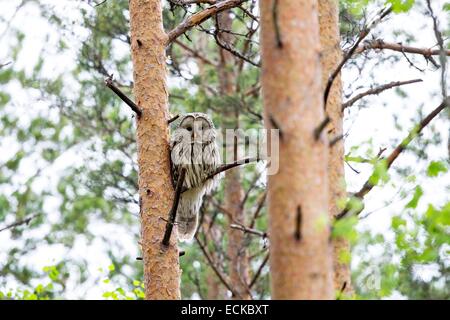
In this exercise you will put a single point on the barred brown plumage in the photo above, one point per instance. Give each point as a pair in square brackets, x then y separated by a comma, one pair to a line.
[193, 146]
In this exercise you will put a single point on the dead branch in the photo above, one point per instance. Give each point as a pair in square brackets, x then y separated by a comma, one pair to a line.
[213, 266]
[5, 64]
[109, 83]
[173, 119]
[258, 272]
[322, 125]
[201, 16]
[19, 223]
[440, 42]
[381, 45]
[229, 166]
[226, 167]
[377, 90]
[189, 2]
[231, 50]
[259, 207]
[249, 230]
[194, 53]
[173, 211]
[362, 35]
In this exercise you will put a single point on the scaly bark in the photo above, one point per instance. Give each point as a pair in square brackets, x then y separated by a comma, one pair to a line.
[300, 252]
[331, 55]
[148, 39]
[234, 194]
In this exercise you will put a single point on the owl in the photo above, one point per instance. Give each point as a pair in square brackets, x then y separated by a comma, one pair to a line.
[193, 147]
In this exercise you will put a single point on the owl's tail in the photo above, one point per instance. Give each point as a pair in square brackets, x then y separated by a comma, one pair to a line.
[187, 213]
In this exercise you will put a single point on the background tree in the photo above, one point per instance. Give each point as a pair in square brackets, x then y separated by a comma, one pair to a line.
[331, 52]
[300, 259]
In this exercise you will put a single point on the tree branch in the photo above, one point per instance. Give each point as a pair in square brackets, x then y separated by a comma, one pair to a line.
[229, 166]
[377, 90]
[249, 230]
[380, 44]
[440, 42]
[214, 267]
[189, 2]
[201, 16]
[173, 211]
[226, 167]
[175, 118]
[5, 64]
[258, 272]
[368, 186]
[19, 223]
[362, 35]
[109, 83]
[194, 53]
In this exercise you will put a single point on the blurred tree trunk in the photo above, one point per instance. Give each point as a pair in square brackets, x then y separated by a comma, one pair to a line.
[300, 251]
[161, 267]
[331, 55]
[234, 194]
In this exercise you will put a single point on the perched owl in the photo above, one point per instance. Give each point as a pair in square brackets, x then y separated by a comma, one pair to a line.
[193, 146]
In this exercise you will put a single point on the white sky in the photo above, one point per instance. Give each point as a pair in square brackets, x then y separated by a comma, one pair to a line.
[374, 122]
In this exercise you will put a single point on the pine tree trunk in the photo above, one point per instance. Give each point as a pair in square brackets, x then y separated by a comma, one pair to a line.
[237, 253]
[300, 252]
[161, 267]
[331, 55]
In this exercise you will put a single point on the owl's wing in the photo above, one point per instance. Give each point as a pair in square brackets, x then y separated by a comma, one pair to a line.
[211, 161]
[175, 145]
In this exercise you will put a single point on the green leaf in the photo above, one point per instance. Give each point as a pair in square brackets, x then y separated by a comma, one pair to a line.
[401, 5]
[418, 193]
[345, 228]
[380, 173]
[397, 222]
[435, 168]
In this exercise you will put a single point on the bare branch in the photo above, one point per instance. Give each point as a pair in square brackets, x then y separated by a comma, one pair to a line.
[213, 266]
[249, 230]
[381, 45]
[5, 64]
[229, 166]
[201, 16]
[440, 42]
[189, 2]
[173, 211]
[362, 35]
[109, 83]
[19, 223]
[258, 272]
[322, 125]
[194, 53]
[231, 50]
[173, 119]
[259, 207]
[377, 90]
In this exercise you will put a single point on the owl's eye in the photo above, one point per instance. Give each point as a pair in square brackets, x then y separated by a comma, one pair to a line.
[189, 128]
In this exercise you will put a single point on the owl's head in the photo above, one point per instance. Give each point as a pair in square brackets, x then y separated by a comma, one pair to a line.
[198, 126]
